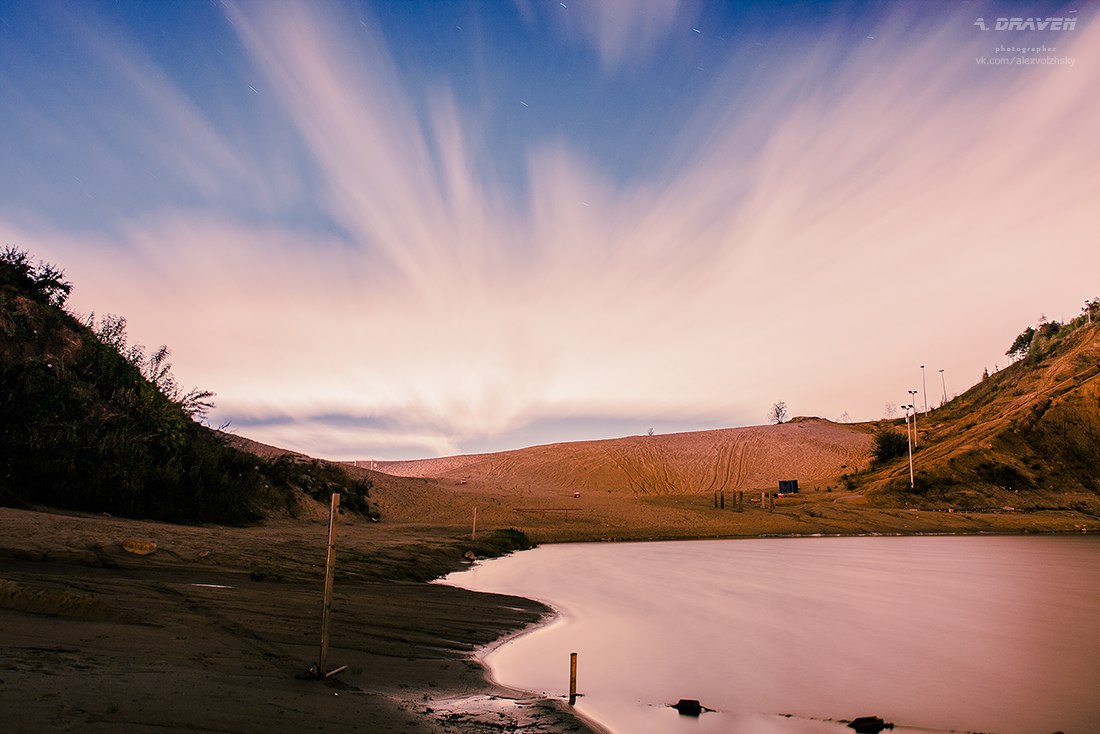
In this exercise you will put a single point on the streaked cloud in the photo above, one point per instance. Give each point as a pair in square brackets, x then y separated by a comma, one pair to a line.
[815, 228]
[619, 31]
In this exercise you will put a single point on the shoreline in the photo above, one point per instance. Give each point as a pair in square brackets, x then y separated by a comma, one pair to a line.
[545, 658]
[553, 616]
[210, 631]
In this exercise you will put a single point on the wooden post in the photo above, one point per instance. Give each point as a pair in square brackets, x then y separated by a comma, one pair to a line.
[473, 531]
[763, 500]
[722, 501]
[572, 678]
[330, 568]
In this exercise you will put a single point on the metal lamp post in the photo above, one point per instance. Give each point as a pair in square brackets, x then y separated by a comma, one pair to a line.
[913, 405]
[912, 483]
[924, 388]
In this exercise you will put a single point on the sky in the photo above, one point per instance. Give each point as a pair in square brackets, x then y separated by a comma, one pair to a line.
[392, 230]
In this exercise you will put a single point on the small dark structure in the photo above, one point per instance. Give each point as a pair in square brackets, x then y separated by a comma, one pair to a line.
[788, 486]
[689, 707]
[869, 725]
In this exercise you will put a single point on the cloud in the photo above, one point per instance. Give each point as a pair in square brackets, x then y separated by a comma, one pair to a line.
[817, 229]
[842, 188]
[620, 31]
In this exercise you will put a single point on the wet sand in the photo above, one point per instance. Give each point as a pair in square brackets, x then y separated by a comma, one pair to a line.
[212, 630]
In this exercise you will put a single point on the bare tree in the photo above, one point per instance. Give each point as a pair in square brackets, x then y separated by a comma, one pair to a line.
[890, 410]
[778, 413]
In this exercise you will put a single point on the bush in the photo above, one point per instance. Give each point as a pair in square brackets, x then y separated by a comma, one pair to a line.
[888, 444]
[319, 479]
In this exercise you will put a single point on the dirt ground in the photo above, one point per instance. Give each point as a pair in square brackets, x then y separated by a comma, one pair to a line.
[211, 631]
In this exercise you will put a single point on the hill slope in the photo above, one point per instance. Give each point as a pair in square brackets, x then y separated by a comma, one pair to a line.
[1025, 437]
[89, 423]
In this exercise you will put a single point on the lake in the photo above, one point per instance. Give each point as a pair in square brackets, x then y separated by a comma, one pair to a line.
[982, 634]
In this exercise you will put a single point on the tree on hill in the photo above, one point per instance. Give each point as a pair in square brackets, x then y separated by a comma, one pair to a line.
[1091, 306]
[778, 412]
[1022, 344]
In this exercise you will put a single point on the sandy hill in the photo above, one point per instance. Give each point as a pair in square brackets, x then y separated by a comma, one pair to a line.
[813, 451]
[637, 486]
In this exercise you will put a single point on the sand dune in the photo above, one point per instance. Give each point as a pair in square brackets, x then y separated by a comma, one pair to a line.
[813, 451]
[637, 486]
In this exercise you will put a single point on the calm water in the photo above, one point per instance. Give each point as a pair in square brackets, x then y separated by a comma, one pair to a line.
[989, 634]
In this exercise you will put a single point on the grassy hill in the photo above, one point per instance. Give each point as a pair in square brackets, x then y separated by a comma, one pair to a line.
[1026, 437]
[88, 422]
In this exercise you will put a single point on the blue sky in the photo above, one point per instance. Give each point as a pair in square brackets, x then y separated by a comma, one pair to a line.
[400, 229]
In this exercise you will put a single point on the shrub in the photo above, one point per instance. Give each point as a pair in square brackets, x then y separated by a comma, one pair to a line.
[888, 444]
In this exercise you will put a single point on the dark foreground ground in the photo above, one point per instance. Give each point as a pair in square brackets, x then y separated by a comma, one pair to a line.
[210, 632]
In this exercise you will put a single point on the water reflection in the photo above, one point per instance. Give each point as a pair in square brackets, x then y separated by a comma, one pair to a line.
[942, 633]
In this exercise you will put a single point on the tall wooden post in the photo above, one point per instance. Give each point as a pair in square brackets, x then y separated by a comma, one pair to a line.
[473, 531]
[330, 568]
[722, 501]
[572, 678]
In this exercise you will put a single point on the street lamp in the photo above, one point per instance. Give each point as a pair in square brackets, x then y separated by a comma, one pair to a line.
[924, 385]
[944, 389]
[913, 405]
[912, 483]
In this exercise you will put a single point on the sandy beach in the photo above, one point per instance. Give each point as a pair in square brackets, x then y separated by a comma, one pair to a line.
[211, 631]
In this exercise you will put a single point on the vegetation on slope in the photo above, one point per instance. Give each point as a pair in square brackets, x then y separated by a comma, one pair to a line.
[1026, 437]
[88, 422]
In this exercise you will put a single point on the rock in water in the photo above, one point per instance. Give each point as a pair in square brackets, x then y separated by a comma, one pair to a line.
[688, 707]
[869, 725]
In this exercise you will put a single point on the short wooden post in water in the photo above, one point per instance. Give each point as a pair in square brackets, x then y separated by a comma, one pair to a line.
[473, 532]
[330, 568]
[572, 678]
